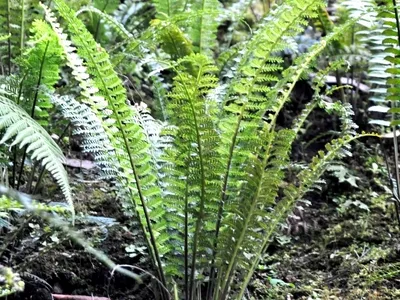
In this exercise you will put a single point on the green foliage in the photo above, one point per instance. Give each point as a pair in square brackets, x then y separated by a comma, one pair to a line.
[208, 186]
[169, 8]
[40, 66]
[27, 132]
[222, 162]
[16, 17]
[10, 282]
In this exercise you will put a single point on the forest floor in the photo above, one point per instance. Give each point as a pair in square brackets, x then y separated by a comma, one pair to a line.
[343, 242]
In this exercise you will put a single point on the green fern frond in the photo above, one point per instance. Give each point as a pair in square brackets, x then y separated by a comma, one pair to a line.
[40, 67]
[127, 137]
[27, 132]
[168, 8]
[194, 185]
[112, 22]
[246, 226]
[87, 125]
[203, 29]
[172, 39]
[384, 71]
[247, 98]
[294, 192]
[262, 191]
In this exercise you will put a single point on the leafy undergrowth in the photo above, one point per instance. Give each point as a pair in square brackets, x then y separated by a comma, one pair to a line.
[344, 244]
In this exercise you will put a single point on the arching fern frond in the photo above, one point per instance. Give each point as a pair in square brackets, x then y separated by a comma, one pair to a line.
[307, 178]
[40, 67]
[127, 137]
[87, 125]
[27, 132]
[113, 23]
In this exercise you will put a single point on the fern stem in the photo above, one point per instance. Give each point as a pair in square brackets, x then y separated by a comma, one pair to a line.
[232, 264]
[395, 139]
[22, 36]
[96, 32]
[15, 150]
[272, 229]
[9, 38]
[141, 197]
[35, 99]
[186, 250]
[286, 204]
[222, 202]
[203, 189]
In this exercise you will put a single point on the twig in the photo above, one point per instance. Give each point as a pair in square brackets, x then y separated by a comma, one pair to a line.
[54, 220]
[144, 271]
[78, 297]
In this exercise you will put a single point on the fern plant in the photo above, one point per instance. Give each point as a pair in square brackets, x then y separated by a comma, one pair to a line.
[204, 189]
[25, 103]
[204, 184]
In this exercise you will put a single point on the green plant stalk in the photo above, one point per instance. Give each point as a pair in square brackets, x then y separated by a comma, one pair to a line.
[35, 99]
[22, 26]
[393, 104]
[186, 249]
[222, 203]
[96, 32]
[15, 150]
[9, 38]
[141, 197]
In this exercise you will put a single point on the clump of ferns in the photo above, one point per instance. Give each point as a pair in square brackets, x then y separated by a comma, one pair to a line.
[204, 185]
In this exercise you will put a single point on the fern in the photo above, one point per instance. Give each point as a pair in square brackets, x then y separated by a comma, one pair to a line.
[293, 192]
[169, 8]
[40, 66]
[204, 185]
[194, 159]
[15, 20]
[87, 125]
[27, 132]
[125, 135]
[203, 29]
